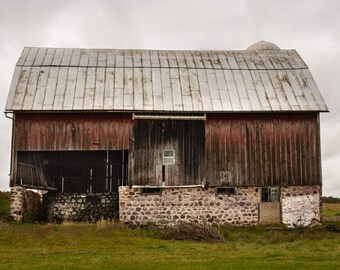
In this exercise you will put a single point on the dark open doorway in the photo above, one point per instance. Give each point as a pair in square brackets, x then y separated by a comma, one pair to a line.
[73, 171]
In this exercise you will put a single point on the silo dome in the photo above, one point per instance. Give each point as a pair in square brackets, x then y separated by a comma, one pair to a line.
[263, 46]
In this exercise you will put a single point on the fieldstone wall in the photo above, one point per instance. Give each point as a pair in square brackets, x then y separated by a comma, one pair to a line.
[173, 205]
[25, 204]
[81, 207]
[300, 205]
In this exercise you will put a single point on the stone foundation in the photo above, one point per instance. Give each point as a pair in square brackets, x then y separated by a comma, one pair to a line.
[25, 204]
[81, 207]
[189, 204]
[300, 205]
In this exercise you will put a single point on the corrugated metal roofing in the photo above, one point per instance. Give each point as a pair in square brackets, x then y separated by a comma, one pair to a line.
[50, 79]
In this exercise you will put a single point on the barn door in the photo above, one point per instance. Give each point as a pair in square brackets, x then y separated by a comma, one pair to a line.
[168, 152]
[269, 210]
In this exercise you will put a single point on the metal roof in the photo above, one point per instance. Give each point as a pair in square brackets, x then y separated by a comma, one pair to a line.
[65, 79]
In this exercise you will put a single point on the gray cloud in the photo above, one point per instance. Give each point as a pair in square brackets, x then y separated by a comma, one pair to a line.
[310, 26]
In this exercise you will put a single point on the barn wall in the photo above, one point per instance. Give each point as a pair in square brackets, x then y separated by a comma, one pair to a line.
[73, 131]
[151, 137]
[262, 149]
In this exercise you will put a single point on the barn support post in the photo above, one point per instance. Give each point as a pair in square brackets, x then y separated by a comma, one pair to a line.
[13, 152]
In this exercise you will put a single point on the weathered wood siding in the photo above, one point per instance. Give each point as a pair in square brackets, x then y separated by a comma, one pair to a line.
[262, 149]
[153, 136]
[72, 131]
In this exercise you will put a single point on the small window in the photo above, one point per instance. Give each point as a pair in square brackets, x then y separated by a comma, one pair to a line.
[168, 157]
[226, 190]
[270, 194]
[151, 191]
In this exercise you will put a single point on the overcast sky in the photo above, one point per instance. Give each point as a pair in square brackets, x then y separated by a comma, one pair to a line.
[312, 27]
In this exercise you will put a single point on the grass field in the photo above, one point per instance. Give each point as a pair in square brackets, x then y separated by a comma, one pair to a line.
[113, 246]
[331, 209]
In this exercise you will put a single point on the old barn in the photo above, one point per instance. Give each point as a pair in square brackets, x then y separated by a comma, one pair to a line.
[166, 136]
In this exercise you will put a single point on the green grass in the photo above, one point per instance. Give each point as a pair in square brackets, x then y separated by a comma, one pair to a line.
[330, 213]
[4, 205]
[112, 246]
[331, 209]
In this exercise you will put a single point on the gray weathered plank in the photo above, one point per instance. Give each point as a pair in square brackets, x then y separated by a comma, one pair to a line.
[195, 93]
[163, 59]
[181, 59]
[31, 88]
[157, 89]
[204, 89]
[146, 61]
[187, 103]
[172, 59]
[260, 90]
[189, 59]
[75, 59]
[66, 60]
[176, 90]
[32, 54]
[70, 88]
[232, 90]
[102, 56]
[215, 61]
[120, 58]
[184, 81]
[84, 58]
[300, 97]
[138, 87]
[166, 90]
[232, 62]
[225, 100]
[58, 56]
[90, 87]
[197, 103]
[51, 87]
[137, 59]
[98, 103]
[109, 88]
[240, 60]
[20, 89]
[314, 89]
[80, 85]
[223, 60]
[289, 93]
[15, 84]
[93, 59]
[111, 58]
[61, 88]
[279, 91]
[147, 88]
[214, 91]
[23, 56]
[154, 59]
[270, 92]
[39, 59]
[40, 88]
